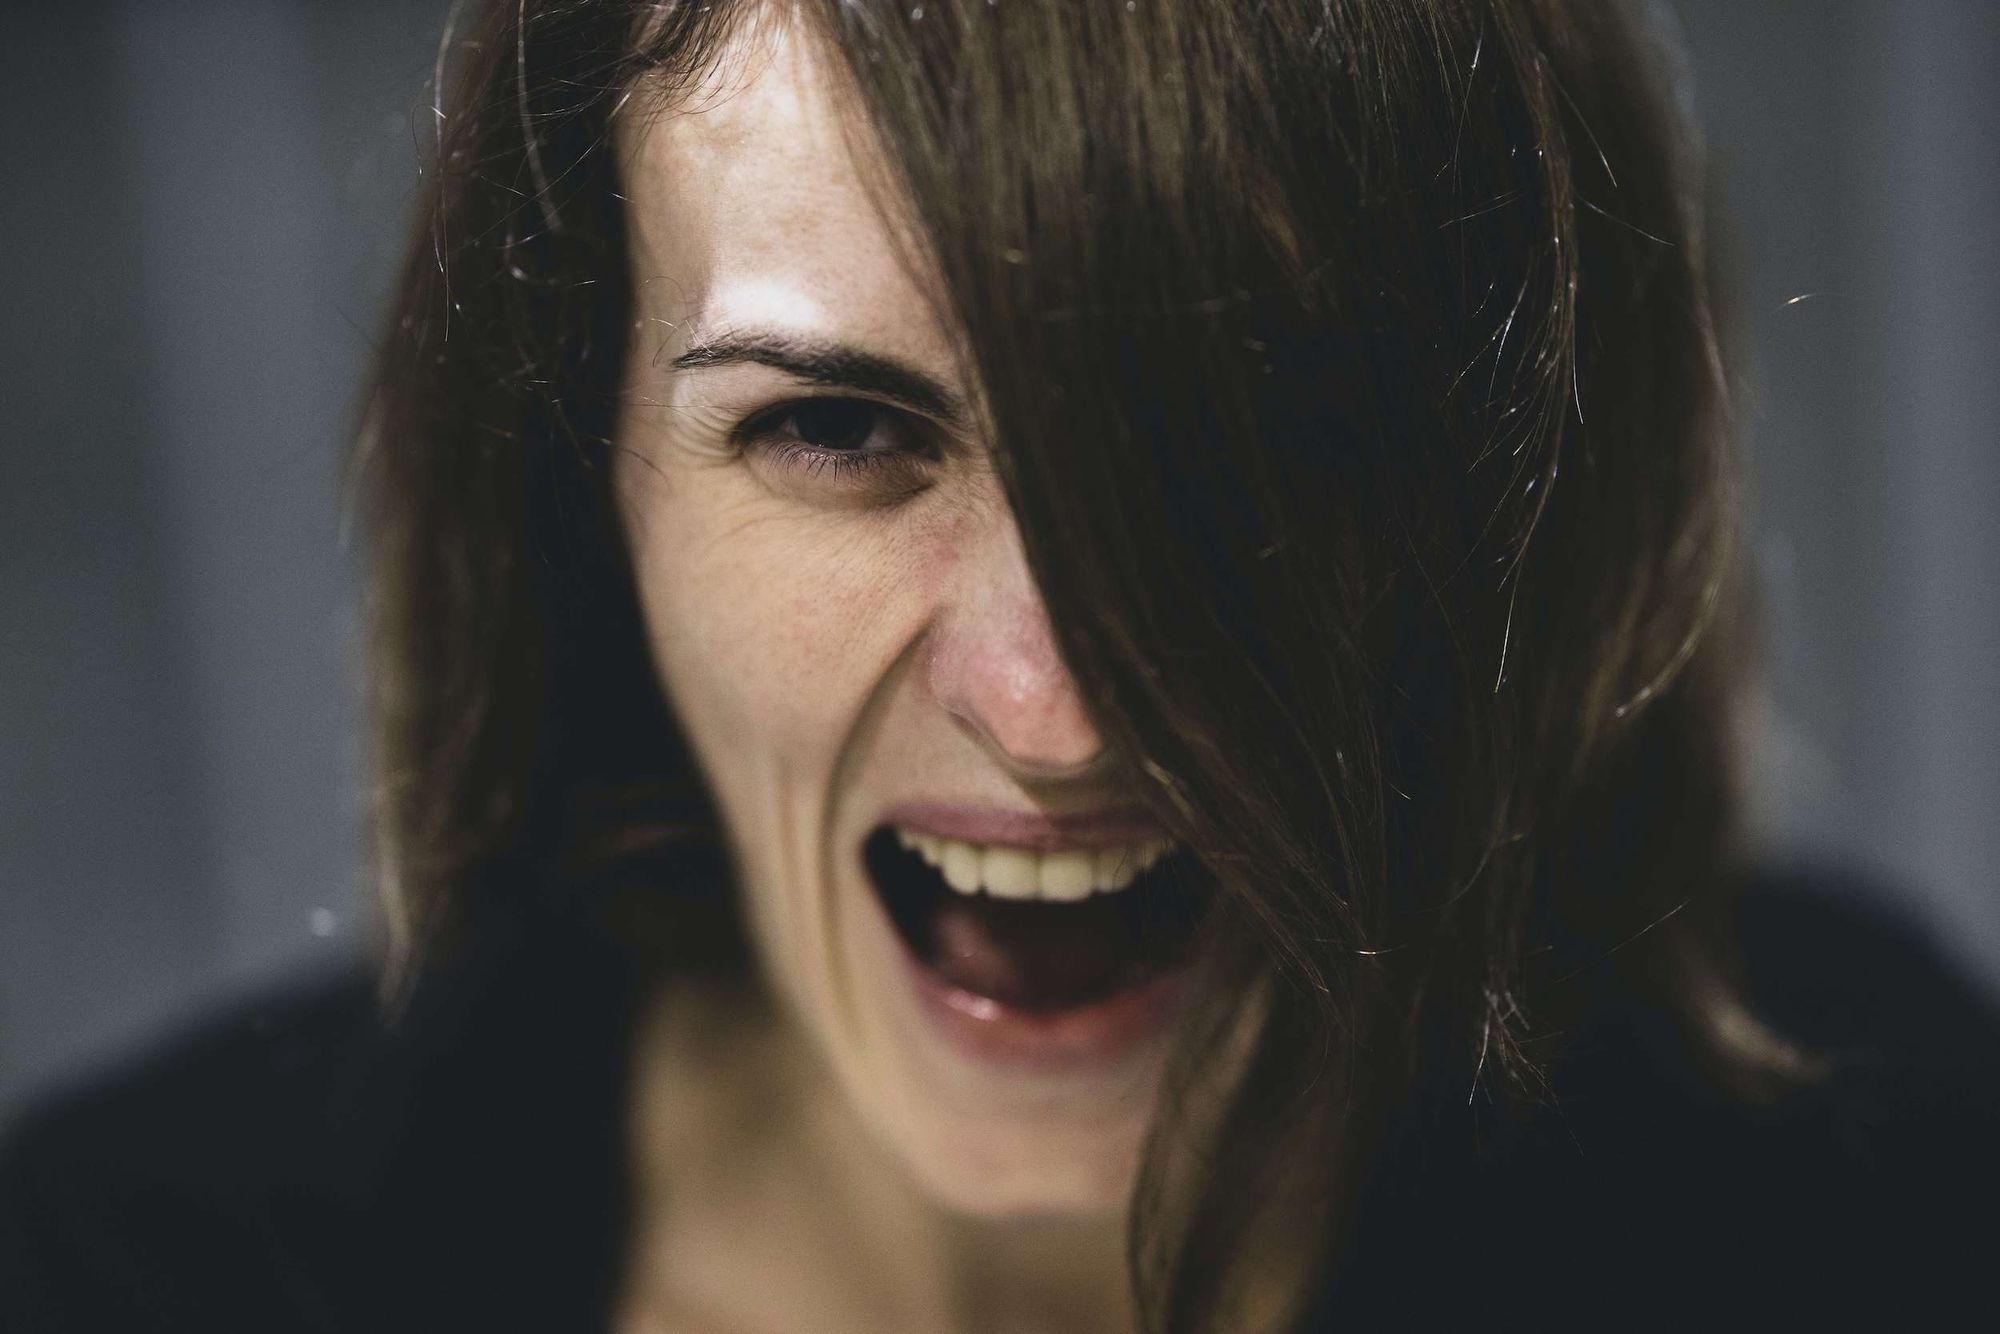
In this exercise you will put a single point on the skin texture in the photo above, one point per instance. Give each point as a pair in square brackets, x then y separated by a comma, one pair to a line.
[834, 642]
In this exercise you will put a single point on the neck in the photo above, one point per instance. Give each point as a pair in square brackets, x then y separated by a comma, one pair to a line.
[760, 1202]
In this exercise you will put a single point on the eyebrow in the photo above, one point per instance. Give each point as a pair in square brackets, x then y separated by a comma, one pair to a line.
[838, 365]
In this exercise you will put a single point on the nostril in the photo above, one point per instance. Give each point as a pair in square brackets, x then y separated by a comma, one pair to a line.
[1066, 751]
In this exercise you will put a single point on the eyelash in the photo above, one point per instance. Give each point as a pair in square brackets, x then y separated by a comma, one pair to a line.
[760, 431]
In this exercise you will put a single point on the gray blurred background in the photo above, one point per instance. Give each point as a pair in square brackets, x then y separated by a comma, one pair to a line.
[204, 202]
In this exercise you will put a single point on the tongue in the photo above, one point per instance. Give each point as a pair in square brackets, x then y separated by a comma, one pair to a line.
[1035, 956]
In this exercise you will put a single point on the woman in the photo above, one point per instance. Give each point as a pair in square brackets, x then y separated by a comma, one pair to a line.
[1057, 666]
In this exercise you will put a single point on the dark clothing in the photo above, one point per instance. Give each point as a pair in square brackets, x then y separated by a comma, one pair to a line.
[300, 1165]
[1645, 1199]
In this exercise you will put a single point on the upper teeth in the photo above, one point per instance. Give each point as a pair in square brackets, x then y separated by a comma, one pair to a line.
[1018, 873]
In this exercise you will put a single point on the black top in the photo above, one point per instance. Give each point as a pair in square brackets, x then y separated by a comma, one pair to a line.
[299, 1165]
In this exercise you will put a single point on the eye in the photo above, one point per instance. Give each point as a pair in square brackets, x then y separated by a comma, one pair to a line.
[819, 436]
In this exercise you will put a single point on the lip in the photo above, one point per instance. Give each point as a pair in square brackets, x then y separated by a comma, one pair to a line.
[1082, 1038]
[1032, 830]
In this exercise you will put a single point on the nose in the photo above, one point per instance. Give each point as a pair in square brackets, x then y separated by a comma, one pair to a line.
[994, 667]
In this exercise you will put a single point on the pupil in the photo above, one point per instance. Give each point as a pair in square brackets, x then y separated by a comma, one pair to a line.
[832, 423]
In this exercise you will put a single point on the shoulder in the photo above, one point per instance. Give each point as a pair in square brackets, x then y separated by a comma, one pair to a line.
[302, 1162]
[1905, 1112]
[1635, 1194]
[1836, 963]
[158, 1187]
[1865, 1189]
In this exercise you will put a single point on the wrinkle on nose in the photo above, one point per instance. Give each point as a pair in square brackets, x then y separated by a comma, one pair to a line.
[996, 670]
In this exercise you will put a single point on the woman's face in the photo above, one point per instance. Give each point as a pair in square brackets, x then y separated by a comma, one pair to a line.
[838, 606]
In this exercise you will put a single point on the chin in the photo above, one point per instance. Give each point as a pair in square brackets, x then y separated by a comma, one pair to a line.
[999, 1172]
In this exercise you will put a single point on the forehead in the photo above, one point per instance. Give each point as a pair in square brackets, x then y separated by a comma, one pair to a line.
[754, 197]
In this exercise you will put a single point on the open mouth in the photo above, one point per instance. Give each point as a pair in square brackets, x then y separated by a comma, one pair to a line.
[1037, 932]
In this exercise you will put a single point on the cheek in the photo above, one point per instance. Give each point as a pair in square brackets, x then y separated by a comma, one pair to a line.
[772, 630]
[772, 626]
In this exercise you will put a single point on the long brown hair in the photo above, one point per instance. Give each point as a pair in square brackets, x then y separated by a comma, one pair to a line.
[1352, 362]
